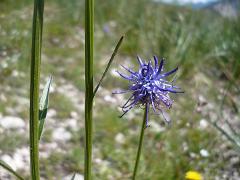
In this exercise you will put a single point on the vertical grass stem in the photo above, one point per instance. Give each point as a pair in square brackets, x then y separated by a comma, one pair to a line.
[34, 86]
[89, 45]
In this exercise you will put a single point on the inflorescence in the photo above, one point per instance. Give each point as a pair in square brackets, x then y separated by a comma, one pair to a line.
[149, 87]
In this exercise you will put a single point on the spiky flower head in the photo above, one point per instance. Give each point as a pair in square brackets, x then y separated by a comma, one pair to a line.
[149, 87]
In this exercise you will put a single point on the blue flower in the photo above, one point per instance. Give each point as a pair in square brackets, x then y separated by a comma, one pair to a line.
[149, 87]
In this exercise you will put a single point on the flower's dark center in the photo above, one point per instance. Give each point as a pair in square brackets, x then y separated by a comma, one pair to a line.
[144, 72]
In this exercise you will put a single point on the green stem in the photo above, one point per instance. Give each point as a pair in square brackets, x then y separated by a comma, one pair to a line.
[89, 44]
[140, 142]
[34, 86]
[9, 169]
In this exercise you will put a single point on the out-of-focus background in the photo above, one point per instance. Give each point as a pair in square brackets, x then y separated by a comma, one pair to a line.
[202, 37]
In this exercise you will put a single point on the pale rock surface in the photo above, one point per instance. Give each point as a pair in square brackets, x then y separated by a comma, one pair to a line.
[11, 122]
[204, 153]
[120, 138]
[61, 134]
[203, 124]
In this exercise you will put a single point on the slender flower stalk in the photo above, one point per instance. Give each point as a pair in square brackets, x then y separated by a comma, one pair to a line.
[140, 142]
[34, 86]
[89, 44]
[149, 87]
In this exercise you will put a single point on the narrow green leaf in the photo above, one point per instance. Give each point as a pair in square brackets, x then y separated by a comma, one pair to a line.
[108, 65]
[73, 177]
[9, 169]
[226, 134]
[43, 106]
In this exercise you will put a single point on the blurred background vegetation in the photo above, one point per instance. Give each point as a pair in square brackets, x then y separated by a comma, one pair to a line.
[201, 41]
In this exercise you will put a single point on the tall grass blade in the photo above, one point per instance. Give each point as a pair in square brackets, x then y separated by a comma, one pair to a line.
[9, 169]
[227, 135]
[43, 106]
[108, 65]
[34, 86]
[89, 45]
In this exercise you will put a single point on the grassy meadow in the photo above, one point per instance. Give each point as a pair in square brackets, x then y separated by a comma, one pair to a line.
[205, 46]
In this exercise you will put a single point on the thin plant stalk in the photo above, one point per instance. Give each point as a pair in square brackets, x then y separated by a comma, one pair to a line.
[108, 65]
[34, 86]
[140, 142]
[9, 169]
[89, 44]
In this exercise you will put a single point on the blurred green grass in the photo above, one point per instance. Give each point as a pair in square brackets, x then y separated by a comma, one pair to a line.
[204, 45]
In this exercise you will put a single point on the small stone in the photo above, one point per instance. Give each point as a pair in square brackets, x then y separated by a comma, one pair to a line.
[120, 138]
[185, 146]
[204, 153]
[110, 99]
[74, 114]
[203, 124]
[114, 73]
[72, 123]
[61, 134]
[130, 115]
[15, 73]
[155, 127]
[51, 113]
[234, 160]
[193, 155]
[11, 122]
[98, 161]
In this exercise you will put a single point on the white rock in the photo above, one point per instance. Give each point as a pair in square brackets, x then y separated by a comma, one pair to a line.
[3, 98]
[74, 114]
[192, 155]
[19, 160]
[114, 73]
[203, 124]
[24, 152]
[61, 134]
[77, 177]
[109, 98]
[15, 73]
[98, 161]
[51, 113]
[130, 115]
[204, 153]
[72, 123]
[120, 138]
[185, 146]
[46, 149]
[11, 122]
[155, 127]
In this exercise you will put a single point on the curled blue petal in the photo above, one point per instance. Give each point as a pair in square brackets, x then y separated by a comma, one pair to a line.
[160, 67]
[170, 72]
